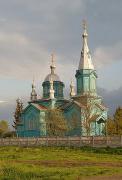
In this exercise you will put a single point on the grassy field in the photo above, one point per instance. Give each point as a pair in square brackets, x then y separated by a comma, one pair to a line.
[49, 163]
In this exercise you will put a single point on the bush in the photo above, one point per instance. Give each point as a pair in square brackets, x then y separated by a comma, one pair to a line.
[9, 134]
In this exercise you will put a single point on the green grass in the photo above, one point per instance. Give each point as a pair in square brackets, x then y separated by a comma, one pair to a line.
[49, 163]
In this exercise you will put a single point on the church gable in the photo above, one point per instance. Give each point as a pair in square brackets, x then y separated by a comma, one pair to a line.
[72, 113]
[30, 108]
[32, 120]
[33, 108]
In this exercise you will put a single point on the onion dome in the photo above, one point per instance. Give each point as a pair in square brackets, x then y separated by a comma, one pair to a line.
[52, 75]
[58, 85]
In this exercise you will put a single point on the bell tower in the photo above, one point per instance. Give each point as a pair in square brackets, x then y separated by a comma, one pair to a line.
[86, 75]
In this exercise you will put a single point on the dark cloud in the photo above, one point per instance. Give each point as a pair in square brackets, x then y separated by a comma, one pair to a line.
[7, 112]
[112, 99]
[56, 26]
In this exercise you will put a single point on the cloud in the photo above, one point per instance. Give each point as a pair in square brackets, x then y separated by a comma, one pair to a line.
[112, 99]
[51, 5]
[23, 58]
[7, 111]
[2, 102]
[31, 30]
[108, 54]
[20, 56]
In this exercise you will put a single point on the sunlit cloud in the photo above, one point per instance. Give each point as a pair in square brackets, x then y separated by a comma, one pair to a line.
[2, 102]
[108, 54]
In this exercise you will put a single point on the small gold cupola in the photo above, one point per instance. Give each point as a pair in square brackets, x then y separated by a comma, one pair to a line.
[33, 92]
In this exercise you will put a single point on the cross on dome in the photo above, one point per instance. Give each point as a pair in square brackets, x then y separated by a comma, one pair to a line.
[52, 64]
[52, 55]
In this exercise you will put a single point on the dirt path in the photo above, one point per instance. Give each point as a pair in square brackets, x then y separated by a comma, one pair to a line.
[51, 163]
[113, 177]
[65, 163]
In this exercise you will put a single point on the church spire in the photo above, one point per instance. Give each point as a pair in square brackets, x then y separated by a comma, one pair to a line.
[33, 92]
[85, 60]
[52, 66]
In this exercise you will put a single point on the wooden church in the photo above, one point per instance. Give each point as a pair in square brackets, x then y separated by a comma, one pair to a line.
[84, 108]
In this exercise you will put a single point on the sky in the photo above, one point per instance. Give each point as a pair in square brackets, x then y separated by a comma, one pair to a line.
[30, 30]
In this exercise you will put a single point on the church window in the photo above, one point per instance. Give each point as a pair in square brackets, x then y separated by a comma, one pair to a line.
[60, 90]
[32, 123]
[46, 90]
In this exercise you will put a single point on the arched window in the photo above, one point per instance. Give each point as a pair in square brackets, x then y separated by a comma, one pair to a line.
[31, 122]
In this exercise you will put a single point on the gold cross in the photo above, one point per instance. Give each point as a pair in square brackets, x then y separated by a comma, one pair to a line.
[33, 79]
[52, 55]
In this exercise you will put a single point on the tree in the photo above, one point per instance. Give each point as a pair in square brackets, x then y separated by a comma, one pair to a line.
[110, 127]
[56, 123]
[3, 127]
[118, 120]
[114, 125]
[9, 134]
[18, 111]
[89, 114]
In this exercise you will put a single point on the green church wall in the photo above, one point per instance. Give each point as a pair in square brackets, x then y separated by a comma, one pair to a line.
[86, 81]
[73, 116]
[58, 89]
[33, 124]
